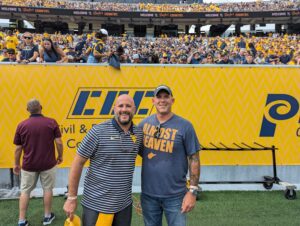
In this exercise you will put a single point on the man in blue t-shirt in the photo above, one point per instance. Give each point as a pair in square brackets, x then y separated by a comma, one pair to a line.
[170, 150]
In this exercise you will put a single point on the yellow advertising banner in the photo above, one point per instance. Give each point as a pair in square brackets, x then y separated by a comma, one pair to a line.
[225, 104]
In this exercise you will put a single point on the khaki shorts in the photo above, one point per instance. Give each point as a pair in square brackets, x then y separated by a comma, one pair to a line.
[29, 180]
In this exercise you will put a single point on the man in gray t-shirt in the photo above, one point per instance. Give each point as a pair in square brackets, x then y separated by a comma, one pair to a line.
[170, 150]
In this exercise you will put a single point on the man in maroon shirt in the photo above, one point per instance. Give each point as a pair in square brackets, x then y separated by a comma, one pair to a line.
[36, 137]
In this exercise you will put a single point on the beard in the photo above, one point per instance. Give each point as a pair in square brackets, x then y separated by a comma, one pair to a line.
[124, 122]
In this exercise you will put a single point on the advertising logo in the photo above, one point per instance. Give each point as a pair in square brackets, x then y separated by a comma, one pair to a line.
[98, 103]
[278, 107]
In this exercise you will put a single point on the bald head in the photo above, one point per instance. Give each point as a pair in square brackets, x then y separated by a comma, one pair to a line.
[34, 106]
[124, 109]
[125, 97]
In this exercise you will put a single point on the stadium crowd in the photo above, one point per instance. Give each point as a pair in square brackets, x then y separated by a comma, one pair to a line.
[148, 6]
[185, 49]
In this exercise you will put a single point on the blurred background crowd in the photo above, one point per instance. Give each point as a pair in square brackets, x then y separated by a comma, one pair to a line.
[160, 5]
[185, 49]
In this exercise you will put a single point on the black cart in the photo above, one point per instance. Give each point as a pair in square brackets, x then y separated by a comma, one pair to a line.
[267, 181]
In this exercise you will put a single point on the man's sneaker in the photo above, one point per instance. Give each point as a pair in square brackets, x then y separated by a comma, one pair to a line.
[24, 224]
[48, 220]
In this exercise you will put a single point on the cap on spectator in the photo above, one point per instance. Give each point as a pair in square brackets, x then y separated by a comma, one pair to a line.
[103, 32]
[135, 56]
[46, 35]
[164, 88]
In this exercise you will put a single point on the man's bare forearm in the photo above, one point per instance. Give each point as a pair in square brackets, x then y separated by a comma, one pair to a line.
[75, 174]
[18, 153]
[59, 146]
[194, 168]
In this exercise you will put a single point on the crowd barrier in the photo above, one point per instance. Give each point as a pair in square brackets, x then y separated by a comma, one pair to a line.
[231, 104]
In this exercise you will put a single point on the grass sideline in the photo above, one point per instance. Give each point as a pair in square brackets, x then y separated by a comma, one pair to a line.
[214, 208]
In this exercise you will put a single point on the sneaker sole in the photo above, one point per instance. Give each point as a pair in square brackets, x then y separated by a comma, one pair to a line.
[49, 222]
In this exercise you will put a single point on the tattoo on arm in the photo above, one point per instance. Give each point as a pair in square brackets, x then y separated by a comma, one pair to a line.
[194, 168]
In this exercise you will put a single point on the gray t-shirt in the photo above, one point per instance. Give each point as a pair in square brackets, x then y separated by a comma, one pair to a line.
[165, 163]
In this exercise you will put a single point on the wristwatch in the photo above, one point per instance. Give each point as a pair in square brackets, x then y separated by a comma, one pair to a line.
[194, 191]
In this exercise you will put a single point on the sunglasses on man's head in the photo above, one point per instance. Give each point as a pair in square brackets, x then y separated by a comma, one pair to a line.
[27, 37]
[157, 131]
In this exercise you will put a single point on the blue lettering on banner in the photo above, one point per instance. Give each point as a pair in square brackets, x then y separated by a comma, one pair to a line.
[274, 102]
[98, 103]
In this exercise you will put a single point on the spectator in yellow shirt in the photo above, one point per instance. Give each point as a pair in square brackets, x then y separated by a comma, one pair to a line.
[11, 41]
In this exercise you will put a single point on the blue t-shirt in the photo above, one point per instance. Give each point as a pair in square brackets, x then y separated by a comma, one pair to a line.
[165, 163]
[28, 51]
[51, 56]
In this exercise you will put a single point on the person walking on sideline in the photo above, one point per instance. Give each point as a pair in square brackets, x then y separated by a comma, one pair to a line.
[35, 137]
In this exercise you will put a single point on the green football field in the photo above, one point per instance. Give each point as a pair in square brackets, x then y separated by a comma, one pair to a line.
[213, 208]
